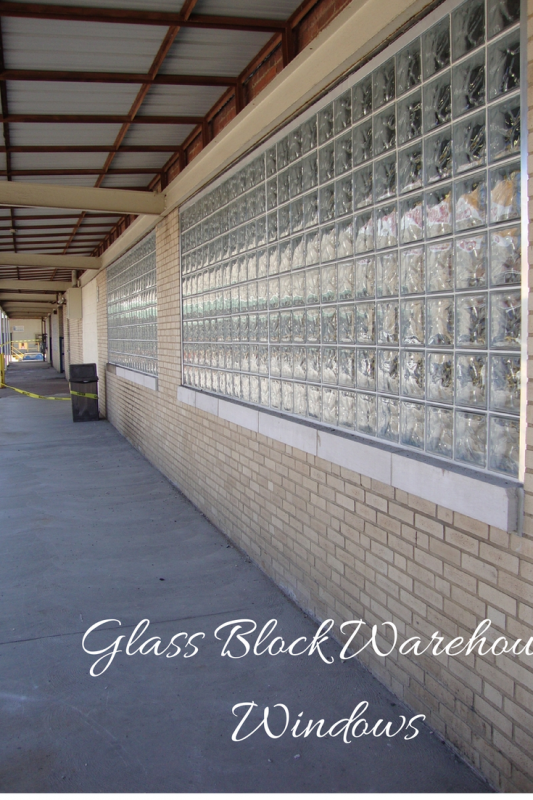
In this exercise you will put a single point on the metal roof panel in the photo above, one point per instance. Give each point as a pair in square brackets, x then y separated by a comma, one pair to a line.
[213, 52]
[51, 97]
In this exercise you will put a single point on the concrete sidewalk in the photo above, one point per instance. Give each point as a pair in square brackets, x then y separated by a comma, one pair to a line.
[90, 531]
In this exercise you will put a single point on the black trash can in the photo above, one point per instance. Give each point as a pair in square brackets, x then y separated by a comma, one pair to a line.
[84, 392]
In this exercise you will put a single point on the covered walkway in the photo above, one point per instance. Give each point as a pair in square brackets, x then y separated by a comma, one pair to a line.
[90, 531]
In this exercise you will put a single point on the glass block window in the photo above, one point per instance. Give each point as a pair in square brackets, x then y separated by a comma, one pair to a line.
[132, 309]
[363, 268]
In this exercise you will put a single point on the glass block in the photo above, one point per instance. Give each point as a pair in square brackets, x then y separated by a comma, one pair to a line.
[388, 317]
[296, 179]
[471, 438]
[285, 255]
[504, 59]
[505, 256]
[384, 83]
[439, 259]
[245, 358]
[330, 366]
[506, 319]
[504, 445]
[300, 399]
[388, 419]
[384, 131]
[471, 262]
[412, 424]
[275, 362]
[314, 372]
[470, 202]
[365, 277]
[362, 143]
[298, 288]
[505, 192]
[439, 438]
[344, 238]
[314, 402]
[366, 323]
[260, 231]
[362, 182]
[327, 202]
[326, 163]
[275, 394]
[285, 291]
[347, 367]
[286, 362]
[295, 144]
[387, 274]
[343, 154]
[364, 232]
[470, 142]
[386, 226]
[272, 194]
[347, 409]
[342, 112]
[366, 417]
[346, 323]
[439, 211]
[273, 293]
[362, 99]
[343, 196]
[437, 102]
[329, 284]
[312, 287]
[505, 384]
[311, 209]
[411, 219]
[312, 252]
[329, 325]
[309, 172]
[298, 252]
[412, 322]
[284, 192]
[264, 390]
[388, 371]
[504, 128]
[502, 14]
[413, 270]
[262, 359]
[468, 27]
[262, 263]
[440, 377]
[346, 281]
[262, 328]
[410, 117]
[285, 326]
[297, 215]
[408, 67]
[410, 169]
[325, 124]
[440, 321]
[471, 320]
[413, 380]
[436, 48]
[272, 222]
[284, 221]
[283, 153]
[471, 380]
[300, 363]
[327, 243]
[309, 134]
[366, 369]
[298, 325]
[468, 82]
[438, 163]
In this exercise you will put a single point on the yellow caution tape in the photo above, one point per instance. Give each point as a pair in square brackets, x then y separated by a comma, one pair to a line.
[43, 397]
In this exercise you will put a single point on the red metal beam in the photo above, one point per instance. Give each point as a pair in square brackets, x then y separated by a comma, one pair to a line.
[72, 76]
[138, 17]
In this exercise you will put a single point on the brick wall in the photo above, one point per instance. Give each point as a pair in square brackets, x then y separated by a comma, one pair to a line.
[74, 340]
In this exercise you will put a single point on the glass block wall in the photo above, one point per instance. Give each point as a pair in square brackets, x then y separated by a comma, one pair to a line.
[132, 309]
[363, 269]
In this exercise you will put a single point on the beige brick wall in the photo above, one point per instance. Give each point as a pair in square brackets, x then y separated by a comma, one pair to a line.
[74, 343]
[345, 546]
